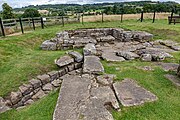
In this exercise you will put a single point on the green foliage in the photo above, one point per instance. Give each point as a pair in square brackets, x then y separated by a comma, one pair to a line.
[31, 12]
[108, 8]
[7, 11]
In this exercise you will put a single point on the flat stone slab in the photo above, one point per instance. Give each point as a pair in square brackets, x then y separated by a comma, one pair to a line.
[130, 93]
[74, 89]
[111, 56]
[63, 61]
[78, 100]
[168, 66]
[174, 79]
[92, 65]
[128, 55]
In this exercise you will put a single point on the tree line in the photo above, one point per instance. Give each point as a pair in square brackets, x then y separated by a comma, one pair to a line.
[107, 8]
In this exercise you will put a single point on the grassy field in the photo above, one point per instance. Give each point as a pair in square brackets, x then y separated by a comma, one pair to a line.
[147, 16]
[22, 60]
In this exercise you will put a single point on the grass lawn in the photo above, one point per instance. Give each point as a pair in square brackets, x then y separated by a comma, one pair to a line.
[21, 60]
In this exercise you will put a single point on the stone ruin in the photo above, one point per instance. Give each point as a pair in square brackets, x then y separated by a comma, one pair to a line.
[114, 44]
[87, 92]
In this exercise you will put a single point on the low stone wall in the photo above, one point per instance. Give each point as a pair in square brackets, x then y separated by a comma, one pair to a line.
[79, 38]
[41, 85]
[178, 71]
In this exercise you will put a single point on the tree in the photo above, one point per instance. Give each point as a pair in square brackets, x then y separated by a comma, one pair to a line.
[31, 12]
[7, 11]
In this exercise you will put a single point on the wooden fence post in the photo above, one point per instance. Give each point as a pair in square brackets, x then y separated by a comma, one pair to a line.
[83, 18]
[63, 21]
[21, 25]
[34, 27]
[2, 27]
[171, 16]
[102, 17]
[42, 24]
[154, 16]
[141, 16]
[121, 17]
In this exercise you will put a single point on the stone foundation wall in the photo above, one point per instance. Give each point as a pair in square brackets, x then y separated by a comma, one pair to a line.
[79, 38]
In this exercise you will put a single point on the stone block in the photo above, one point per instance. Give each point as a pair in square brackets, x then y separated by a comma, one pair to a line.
[35, 83]
[63, 61]
[44, 78]
[26, 89]
[53, 75]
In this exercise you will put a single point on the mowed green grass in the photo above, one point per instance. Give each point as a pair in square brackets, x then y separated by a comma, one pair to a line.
[22, 60]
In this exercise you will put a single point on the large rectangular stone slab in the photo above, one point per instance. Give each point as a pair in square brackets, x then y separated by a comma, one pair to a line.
[74, 89]
[130, 93]
[92, 65]
[78, 100]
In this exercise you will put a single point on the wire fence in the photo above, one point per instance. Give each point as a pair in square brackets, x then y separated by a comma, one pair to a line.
[10, 26]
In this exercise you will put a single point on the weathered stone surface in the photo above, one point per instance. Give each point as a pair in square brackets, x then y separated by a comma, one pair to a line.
[168, 66]
[96, 107]
[176, 48]
[92, 65]
[29, 102]
[78, 65]
[76, 55]
[141, 36]
[62, 72]
[68, 102]
[146, 57]
[26, 89]
[63, 61]
[35, 83]
[117, 33]
[156, 54]
[174, 79]
[19, 104]
[3, 107]
[106, 79]
[48, 87]
[53, 75]
[130, 93]
[127, 55]
[48, 45]
[15, 97]
[26, 98]
[70, 67]
[89, 49]
[167, 43]
[38, 95]
[63, 35]
[83, 102]
[44, 78]
[111, 56]
[108, 38]
[56, 83]
[84, 40]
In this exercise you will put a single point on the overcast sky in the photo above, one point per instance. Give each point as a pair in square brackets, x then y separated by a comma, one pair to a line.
[22, 3]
